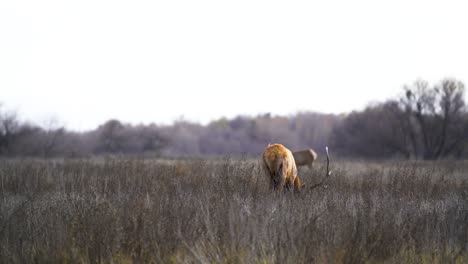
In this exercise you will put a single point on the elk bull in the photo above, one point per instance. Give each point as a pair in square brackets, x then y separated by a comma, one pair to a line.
[304, 157]
[280, 167]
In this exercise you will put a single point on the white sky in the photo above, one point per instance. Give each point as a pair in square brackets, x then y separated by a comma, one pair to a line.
[84, 62]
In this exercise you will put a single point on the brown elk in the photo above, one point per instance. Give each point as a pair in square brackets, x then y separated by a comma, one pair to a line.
[279, 166]
[304, 157]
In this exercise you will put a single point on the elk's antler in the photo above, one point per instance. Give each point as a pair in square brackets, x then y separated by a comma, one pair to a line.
[322, 182]
[328, 163]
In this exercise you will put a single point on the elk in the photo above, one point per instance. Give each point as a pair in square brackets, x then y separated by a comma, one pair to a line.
[279, 166]
[304, 157]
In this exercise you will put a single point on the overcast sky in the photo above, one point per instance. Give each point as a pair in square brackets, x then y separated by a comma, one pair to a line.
[84, 62]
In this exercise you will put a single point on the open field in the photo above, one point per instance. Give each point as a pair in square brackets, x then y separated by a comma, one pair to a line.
[221, 211]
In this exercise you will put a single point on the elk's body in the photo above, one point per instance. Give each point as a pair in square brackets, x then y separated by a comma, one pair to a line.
[305, 157]
[279, 166]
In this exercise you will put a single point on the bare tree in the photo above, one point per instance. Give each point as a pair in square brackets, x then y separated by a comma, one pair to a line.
[428, 122]
[53, 133]
[373, 133]
[110, 136]
[437, 115]
[9, 126]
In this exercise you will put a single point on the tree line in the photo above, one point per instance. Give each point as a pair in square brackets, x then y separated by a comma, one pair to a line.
[424, 122]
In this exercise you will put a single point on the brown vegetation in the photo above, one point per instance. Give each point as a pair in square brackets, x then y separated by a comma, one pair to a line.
[221, 211]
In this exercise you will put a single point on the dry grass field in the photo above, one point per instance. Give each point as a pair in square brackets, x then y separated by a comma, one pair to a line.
[124, 210]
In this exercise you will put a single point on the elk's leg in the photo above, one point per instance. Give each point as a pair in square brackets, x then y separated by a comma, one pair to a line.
[273, 183]
[297, 184]
[281, 183]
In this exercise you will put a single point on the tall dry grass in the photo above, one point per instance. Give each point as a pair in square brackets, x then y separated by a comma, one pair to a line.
[194, 211]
